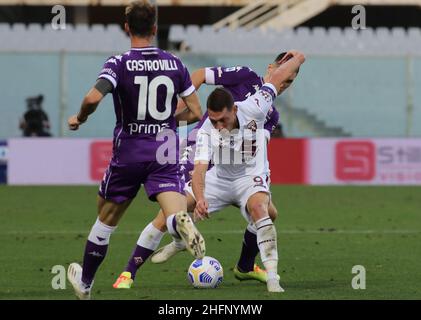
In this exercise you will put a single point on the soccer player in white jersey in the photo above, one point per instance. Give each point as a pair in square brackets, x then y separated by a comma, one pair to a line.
[233, 139]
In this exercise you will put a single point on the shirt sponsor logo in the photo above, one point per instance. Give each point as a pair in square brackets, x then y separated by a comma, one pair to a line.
[166, 185]
[109, 71]
[153, 128]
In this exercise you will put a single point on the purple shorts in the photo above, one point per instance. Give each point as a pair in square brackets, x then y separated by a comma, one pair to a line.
[122, 182]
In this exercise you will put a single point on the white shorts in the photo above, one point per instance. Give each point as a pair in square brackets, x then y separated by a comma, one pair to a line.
[221, 192]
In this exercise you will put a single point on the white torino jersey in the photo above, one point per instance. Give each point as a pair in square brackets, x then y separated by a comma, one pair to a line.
[243, 152]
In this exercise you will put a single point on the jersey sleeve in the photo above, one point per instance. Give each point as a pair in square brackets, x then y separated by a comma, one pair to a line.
[203, 146]
[186, 86]
[272, 119]
[228, 76]
[262, 101]
[111, 70]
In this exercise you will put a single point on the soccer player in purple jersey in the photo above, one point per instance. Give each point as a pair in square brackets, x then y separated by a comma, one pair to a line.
[144, 82]
[241, 82]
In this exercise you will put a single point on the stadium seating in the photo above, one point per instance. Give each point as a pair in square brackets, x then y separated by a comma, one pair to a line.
[381, 41]
[341, 63]
[37, 37]
[333, 40]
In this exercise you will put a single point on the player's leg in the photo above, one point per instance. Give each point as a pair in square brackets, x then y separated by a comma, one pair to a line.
[186, 169]
[82, 277]
[218, 194]
[273, 211]
[257, 206]
[177, 244]
[119, 186]
[179, 223]
[246, 268]
[147, 243]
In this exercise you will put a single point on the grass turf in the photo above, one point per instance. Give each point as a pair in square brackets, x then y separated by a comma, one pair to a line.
[322, 233]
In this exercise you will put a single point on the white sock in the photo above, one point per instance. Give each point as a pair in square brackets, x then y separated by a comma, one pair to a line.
[266, 240]
[150, 237]
[100, 233]
[171, 227]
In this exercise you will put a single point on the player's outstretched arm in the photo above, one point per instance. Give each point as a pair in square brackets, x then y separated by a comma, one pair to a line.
[198, 77]
[198, 186]
[90, 103]
[184, 114]
[288, 67]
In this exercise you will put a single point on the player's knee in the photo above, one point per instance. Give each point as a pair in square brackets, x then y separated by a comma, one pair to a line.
[109, 218]
[258, 210]
[110, 213]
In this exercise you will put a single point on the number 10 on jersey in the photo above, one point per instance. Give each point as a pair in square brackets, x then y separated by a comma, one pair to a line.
[148, 96]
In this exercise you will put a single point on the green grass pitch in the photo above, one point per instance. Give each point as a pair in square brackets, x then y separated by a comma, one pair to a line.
[322, 233]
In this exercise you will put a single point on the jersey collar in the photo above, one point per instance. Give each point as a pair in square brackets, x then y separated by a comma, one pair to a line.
[144, 48]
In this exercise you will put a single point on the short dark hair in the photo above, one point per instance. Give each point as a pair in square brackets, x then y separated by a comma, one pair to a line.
[220, 99]
[279, 58]
[141, 17]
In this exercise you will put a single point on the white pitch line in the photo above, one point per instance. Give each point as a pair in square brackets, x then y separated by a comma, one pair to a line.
[319, 232]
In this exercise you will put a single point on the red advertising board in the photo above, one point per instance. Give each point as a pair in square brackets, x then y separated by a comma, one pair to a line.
[100, 154]
[287, 160]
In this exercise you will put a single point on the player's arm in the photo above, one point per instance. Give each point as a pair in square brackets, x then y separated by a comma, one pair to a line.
[202, 158]
[182, 112]
[192, 111]
[90, 103]
[189, 97]
[217, 76]
[198, 77]
[198, 186]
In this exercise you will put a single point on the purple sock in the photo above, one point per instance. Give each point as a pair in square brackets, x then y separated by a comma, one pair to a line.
[248, 252]
[94, 255]
[139, 256]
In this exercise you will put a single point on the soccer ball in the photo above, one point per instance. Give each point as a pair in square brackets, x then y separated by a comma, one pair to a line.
[205, 273]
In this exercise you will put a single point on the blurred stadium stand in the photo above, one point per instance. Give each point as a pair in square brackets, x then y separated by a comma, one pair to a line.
[355, 83]
[83, 38]
[318, 40]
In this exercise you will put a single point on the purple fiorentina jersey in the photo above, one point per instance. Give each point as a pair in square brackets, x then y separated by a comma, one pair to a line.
[146, 84]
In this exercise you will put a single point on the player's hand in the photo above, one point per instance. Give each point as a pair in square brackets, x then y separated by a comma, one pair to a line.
[74, 122]
[201, 210]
